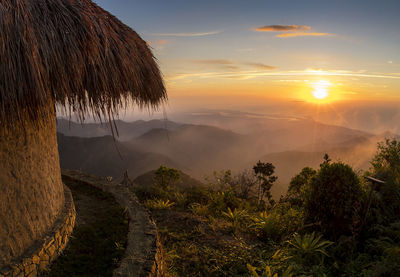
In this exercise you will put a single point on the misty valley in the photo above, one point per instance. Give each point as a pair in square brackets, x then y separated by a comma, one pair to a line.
[268, 196]
[200, 149]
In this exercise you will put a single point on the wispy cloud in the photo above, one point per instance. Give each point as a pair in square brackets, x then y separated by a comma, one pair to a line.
[282, 28]
[233, 65]
[290, 31]
[254, 74]
[198, 34]
[212, 61]
[301, 34]
[261, 66]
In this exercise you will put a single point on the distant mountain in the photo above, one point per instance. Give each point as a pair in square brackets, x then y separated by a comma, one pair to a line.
[126, 130]
[290, 145]
[99, 156]
[200, 149]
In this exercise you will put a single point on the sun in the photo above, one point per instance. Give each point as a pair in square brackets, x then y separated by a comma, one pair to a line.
[321, 87]
[320, 93]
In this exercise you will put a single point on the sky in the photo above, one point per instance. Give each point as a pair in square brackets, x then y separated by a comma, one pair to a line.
[245, 55]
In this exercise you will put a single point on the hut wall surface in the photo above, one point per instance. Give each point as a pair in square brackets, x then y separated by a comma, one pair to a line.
[32, 193]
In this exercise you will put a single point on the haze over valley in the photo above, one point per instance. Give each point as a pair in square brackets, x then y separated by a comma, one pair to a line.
[199, 149]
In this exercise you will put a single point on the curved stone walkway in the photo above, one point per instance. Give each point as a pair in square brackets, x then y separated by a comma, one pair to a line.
[143, 255]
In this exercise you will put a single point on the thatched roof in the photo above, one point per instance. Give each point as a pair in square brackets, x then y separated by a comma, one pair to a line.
[73, 52]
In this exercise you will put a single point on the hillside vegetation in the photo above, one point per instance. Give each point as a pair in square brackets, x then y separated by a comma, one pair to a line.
[332, 221]
[200, 149]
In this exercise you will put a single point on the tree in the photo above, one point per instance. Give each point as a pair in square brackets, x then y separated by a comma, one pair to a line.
[299, 185]
[386, 166]
[387, 158]
[164, 177]
[264, 173]
[244, 183]
[326, 161]
[334, 192]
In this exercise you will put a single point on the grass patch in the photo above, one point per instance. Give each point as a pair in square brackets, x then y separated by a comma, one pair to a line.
[99, 237]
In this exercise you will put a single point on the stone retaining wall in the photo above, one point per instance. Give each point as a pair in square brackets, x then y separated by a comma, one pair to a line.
[43, 252]
[143, 255]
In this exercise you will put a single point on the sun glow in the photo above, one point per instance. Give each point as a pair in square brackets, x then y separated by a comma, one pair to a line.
[321, 89]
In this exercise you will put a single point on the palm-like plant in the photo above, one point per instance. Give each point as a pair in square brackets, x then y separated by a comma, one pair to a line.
[159, 204]
[308, 248]
[235, 217]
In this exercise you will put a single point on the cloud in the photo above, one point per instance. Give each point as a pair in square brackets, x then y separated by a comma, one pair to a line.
[302, 73]
[261, 66]
[232, 65]
[301, 34]
[282, 28]
[199, 34]
[290, 31]
[212, 61]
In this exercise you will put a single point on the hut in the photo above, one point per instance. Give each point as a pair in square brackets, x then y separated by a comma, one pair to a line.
[68, 54]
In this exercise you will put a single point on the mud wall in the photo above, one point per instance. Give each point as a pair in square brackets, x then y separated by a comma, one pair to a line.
[31, 191]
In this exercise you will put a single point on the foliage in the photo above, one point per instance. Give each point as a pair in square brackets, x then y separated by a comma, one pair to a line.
[180, 199]
[221, 201]
[387, 158]
[291, 218]
[199, 209]
[280, 239]
[220, 181]
[326, 161]
[235, 217]
[269, 272]
[267, 225]
[159, 204]
[333, 193]
[299, 186]
[386, 166]
[244, 184]
[308, 249]
[266, 179]
[164, 177]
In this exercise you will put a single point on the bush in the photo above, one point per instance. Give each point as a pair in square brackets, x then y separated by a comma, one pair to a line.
[267, 225]
[299, 186]
[334, 192]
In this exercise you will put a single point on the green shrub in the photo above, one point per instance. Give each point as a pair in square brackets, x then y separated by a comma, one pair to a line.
[299, 186]
[267, 225]
[334, 192]
[221, 201]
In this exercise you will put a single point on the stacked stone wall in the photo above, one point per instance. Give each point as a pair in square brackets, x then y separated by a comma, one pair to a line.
[44, 251]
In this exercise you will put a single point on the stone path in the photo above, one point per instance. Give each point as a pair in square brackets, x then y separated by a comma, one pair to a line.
[143, 255]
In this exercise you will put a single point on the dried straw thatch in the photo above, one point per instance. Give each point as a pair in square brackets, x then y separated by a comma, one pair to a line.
[74, 54]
